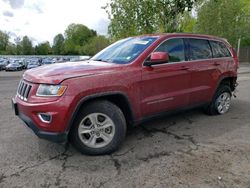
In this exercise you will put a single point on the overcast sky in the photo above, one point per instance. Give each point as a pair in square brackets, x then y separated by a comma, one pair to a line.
[43, 19]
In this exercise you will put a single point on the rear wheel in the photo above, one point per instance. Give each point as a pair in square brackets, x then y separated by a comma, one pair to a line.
[100, 128]
[221, 101]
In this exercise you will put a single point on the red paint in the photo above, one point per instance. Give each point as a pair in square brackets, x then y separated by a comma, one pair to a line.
[159, 56]
[149, 90]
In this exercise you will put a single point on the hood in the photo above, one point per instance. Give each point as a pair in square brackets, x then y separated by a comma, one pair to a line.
[56, 73]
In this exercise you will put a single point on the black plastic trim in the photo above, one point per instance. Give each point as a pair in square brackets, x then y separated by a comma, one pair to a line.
[51, 136]
[168, 113]
[96, 96]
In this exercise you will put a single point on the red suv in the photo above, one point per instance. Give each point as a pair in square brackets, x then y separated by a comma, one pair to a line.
[92, 102]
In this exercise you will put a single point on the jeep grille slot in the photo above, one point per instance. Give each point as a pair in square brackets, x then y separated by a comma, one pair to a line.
[23, 90]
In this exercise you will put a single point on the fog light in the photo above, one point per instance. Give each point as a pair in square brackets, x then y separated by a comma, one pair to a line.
[46, 118]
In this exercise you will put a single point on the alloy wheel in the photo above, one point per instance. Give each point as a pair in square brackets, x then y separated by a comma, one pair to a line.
[96, 130]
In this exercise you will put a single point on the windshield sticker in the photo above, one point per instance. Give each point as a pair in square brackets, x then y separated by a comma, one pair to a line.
[143, 42]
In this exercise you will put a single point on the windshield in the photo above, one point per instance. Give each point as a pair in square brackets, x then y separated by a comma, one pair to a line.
[124, 51]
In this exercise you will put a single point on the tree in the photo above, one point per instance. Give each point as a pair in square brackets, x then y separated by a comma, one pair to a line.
[225, 18]
[4, 40]
[11, 49]
[144, 16]
[95, 45]
[77, 35]
[187, 22]
[18, 46]
[58, 44]
[26, 45]
[43, 49]
[78, 40]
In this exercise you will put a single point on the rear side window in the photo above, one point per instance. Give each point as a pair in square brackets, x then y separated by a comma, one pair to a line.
[219, 49]
[174, 48]
[199, 49]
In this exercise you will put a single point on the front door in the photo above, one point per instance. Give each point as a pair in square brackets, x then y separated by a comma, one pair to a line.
[166, 86]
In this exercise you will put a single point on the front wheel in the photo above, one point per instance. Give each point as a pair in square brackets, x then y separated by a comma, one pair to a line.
[221, 101]
[100, 128]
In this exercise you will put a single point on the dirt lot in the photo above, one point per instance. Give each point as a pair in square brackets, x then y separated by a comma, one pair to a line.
[189, 149]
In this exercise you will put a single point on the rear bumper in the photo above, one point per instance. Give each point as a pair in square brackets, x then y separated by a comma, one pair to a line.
[51, 136]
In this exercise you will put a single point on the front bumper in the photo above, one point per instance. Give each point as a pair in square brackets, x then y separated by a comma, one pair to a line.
[58, 137]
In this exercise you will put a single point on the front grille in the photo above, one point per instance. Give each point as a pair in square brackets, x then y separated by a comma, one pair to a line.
[23, 90]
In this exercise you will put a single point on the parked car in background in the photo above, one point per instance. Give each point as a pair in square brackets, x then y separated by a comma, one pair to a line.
[60, 60]
[74, 59]
[79, 58]
[3, 63]
[25, 63]
[14, 67]
[32, 65]
[65, 59]
[48, 61]
[22, 62]
[33, 60]
[82, 58]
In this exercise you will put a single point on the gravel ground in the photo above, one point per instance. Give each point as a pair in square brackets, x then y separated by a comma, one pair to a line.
[189, 149]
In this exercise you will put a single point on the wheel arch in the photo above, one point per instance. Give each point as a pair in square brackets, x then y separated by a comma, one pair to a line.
[231, 81]
[117, 98]
[226, 80]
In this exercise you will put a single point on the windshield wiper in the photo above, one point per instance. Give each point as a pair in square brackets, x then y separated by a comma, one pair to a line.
[103, 60]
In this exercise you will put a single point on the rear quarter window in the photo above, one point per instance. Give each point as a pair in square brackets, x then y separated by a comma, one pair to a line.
[199, 49]
[219, 49]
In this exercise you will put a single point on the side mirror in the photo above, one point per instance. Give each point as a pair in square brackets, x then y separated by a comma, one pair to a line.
[157, 58]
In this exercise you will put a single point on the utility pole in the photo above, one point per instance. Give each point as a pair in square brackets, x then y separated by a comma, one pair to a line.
[239, 40]
[238, 48]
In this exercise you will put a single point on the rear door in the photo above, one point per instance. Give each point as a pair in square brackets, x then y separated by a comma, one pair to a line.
[202, 70]
[166, 86]
[221, 54]
[222, 60]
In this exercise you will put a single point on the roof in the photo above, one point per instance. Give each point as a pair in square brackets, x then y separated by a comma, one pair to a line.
[185, 35]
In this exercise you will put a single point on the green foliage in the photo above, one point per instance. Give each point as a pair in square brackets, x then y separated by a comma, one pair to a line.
[77, 36]
[245, 41]
[95, 45]
[26, 46]
[43, 49]
[58, 44]
[78, 40]
[4, 40]
[225, 18]
[18, 46]
[135, 17]
[187, 23]
[10, 49]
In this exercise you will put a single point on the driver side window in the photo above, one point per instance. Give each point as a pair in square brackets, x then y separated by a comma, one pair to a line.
[174, 48]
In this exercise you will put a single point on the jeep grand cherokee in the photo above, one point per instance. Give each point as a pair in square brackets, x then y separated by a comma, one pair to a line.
[92, 102]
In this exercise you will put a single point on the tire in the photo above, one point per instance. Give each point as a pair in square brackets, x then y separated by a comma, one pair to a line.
[105, 135]
[221, 101]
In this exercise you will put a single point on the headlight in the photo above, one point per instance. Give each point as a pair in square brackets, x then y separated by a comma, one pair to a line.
[50, 90]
